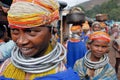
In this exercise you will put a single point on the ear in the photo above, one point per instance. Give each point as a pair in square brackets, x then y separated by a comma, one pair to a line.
[88, 46]
[107, 51]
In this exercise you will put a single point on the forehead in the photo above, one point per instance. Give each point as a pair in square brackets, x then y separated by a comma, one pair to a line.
[26, 27]
[100, 42]
[96, 25]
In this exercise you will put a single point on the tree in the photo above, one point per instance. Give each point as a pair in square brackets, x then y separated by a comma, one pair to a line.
[112, 8]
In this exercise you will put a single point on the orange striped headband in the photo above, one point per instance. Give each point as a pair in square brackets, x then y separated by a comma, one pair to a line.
[99, 35]
[31, 13]
[75, 28]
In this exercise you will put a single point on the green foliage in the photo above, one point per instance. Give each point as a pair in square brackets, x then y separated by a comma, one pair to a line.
[111, 8]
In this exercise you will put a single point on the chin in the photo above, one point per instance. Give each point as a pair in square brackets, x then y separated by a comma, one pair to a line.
[99, 56]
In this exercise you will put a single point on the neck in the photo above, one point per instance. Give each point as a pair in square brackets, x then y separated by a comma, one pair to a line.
[93, 58]
[44, 51]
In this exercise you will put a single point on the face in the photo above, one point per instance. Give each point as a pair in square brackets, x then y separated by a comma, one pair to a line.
[31, 41]
[98, 48]
[5, 9]
[114, 30]
[80, 30]
[96, 28]
[85, 30]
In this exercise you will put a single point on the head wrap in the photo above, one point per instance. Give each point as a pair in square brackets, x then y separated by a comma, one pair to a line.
[99, 35]
[75, 29]
[95, 23]
[32, 13]
[115, 25]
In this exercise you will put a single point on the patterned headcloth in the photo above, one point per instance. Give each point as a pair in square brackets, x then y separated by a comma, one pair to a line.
[99, 35]
[31, 13]
[75, 29]
[96, 23]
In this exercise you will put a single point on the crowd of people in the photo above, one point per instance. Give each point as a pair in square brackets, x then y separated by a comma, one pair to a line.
[29, 49]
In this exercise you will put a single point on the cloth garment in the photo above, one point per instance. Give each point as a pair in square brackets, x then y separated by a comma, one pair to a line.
[99, 35]
[8, 67]
[75, 51]
[75, 28]
[84, 37]
[42, 12]
[95, 23]
[64, 75]
[5, 50]
[106, 72]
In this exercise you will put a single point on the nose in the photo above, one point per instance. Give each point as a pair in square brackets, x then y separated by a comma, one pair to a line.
[22, 39]
[118, 50]
[100, 48]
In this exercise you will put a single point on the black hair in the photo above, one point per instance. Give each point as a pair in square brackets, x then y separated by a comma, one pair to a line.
[4, 22]
[3, 29]
[6, 3]
[51, 29]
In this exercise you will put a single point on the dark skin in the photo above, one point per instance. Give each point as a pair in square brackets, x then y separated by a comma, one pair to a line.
[96, 27]
[32, 42]
[98, 49]
[80, 29]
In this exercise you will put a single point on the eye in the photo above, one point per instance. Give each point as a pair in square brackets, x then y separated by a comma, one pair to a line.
[32, 31]
[96, 45]
[28, 30]
[15, 31]
[104, 46]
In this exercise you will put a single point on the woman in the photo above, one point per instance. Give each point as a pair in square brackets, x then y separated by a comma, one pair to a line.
[96, 26]
[34, 58]
[95, 65]
[76, 48]
[4, 7]
[114, 53]
[5, 4]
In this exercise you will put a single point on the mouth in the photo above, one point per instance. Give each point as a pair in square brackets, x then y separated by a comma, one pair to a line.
[26, 51]
[99, 54]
